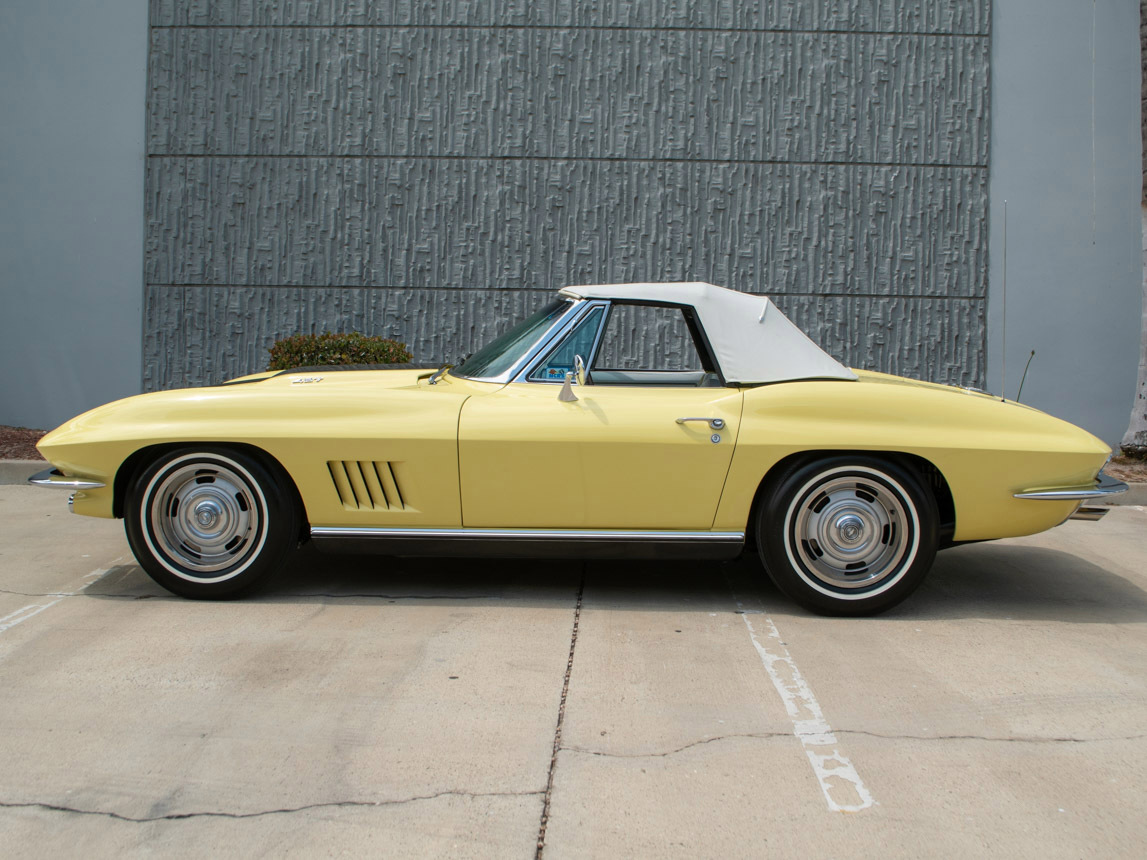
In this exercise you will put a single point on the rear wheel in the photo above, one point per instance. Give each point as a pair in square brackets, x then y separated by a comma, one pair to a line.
[209, 523]
[848, 535]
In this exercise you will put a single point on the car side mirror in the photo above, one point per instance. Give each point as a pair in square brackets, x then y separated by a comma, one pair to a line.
[566, 395]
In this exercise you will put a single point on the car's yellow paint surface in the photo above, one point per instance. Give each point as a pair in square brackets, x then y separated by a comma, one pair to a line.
[614, 458]
[381, 417]
[379, 448]
[986, 449]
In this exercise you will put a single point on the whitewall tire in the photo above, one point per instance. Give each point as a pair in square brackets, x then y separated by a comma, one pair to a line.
[848, 535]
[210, 523]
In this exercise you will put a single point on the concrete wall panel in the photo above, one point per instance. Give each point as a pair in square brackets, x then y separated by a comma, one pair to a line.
[1066, 158]
[914, 16]
[71, 206]
[442, 165]
[677, 94]
[421, 223]
[204, 334]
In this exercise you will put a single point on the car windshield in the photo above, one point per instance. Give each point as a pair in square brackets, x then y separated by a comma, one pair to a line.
[500, 355]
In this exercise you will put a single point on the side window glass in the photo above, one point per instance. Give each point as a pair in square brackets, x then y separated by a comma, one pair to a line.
[643, 338]
[578, 342]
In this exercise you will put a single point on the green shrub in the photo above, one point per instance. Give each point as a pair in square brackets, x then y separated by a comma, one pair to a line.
[309, 350]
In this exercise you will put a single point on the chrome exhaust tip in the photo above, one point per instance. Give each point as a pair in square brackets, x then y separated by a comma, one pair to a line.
[1091, 513]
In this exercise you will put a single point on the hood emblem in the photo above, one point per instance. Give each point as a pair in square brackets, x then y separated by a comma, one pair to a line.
[300, 380]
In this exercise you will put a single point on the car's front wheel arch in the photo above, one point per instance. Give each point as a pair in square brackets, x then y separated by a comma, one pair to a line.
[141, 459]
[210, 521]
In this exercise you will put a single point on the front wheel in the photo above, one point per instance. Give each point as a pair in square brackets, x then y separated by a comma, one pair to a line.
[849, 535]
[209, 523]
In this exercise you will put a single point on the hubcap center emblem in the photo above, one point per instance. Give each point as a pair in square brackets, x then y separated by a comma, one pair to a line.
[850, 528]
[206, 514]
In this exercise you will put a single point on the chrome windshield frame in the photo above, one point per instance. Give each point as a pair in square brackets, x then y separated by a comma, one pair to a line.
[555, 328]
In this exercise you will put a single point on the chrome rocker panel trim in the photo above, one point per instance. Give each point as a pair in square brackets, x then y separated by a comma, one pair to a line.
[532, 543]
[54, 478]
[1105, 485]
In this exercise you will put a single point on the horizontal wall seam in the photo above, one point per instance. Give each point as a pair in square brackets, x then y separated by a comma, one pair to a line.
[567, 27]
[539, 290]
[571, 158]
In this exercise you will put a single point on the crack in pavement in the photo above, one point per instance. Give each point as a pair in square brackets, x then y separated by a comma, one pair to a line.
[39, 593]
[770, 735]
[392, 596]
[545, 819]
[273, 596]
[585, 751]
[1021, 739]
[181, 816]
[78, 594]
[840, 782]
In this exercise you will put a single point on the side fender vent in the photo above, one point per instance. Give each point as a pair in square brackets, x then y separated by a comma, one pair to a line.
[366, 485]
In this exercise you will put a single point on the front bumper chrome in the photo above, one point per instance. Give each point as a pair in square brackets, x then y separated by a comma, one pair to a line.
[55, 478]
[1104, 486]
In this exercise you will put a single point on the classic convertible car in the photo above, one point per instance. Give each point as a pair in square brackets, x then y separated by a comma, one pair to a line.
[722, 427]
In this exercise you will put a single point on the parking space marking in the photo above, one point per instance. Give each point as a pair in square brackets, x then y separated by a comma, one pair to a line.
[844, 790]
[33, 609]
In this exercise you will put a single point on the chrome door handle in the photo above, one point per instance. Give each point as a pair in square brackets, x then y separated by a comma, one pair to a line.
[715, 423]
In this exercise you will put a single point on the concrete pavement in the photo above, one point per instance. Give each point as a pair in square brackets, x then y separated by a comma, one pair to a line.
[426, 707]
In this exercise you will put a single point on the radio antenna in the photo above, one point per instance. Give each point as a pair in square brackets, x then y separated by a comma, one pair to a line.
[1004, 314]
[1025, 376]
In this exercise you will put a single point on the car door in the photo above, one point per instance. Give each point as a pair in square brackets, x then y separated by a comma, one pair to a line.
[648, 448]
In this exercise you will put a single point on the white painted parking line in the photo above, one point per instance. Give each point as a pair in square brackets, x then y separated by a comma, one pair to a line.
[33, 609]
[844, 790]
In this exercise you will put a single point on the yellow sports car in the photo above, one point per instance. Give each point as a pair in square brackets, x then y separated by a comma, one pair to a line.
[723, 426]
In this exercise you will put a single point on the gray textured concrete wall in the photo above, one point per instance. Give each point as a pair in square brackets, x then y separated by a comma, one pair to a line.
[1066, 158]
[71, 205]
[1136, 436]
[1135, 439]
[429, 170]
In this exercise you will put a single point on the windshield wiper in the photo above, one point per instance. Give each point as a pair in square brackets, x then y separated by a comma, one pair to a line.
[438, 374]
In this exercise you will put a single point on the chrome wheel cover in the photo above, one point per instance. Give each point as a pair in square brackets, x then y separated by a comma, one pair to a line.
[852, 532]
[205, 517]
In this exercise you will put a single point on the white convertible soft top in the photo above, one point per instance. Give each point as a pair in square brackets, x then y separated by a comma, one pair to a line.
[751, 339]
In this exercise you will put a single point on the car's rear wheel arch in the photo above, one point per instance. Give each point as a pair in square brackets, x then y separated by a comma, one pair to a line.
[144, 457]
[847, 532]
[930, 476]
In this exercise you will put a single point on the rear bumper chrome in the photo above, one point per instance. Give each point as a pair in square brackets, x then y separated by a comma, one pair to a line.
[1104, 486]
[55, 478]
